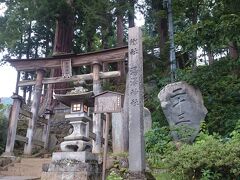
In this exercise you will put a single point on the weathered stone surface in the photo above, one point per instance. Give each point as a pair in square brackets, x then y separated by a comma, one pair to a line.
[67, 169]
[76, 145]
[78, 156]
[183, 106]
[120, 130]
[147, 118]
[68, 176]
[117, 133]
[135, 101]
[72, 166]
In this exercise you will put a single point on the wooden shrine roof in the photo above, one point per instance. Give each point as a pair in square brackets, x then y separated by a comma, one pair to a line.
[106, 55]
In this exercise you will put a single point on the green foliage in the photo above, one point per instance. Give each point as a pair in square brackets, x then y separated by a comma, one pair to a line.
[211, 158]
[183, 132]
[3, 128]
[220, 86]
[114, 176]
[157, 145]
[156, 140]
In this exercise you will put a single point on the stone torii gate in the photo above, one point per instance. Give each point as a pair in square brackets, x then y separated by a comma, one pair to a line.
[134, 100]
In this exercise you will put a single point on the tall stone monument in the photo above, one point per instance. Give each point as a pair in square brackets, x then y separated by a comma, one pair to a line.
[183, 107]
[135, 72]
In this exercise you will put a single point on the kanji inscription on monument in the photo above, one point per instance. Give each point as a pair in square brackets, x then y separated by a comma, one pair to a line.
[135, 70]
[66, 68]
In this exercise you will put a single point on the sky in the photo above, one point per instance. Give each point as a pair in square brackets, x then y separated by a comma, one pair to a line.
[8, 74]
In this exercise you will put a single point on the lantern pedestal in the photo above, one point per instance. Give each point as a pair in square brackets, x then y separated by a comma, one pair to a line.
[79, 139]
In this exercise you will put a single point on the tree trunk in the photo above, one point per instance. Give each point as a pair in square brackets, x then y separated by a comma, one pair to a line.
[29, 44]
[120, 40]
[107, 30]
[163, 33]
[233, 50]
[131, 13]
[210, 57]
[120, 35]
[161, 26]
[63, 41]
[194, 52]
[64, 32]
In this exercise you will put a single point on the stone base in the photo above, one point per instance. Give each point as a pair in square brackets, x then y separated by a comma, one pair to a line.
[137, 176]
[72, 166]
[68, 176]
[8, 155]
[78, 156]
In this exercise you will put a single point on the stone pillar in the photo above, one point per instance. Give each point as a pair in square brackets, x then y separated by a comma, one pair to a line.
[97, 122]
[34, 110]
[117, 133]
[46, 131]
[12, 125]
[135, 72]
[120, 132]
[147, 118]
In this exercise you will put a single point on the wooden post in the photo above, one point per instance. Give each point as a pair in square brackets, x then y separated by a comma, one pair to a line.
[18, 78]
[135, 101]
[34, 110]
[105, 145]
[46, 131]
[97, 122]
[12, 126]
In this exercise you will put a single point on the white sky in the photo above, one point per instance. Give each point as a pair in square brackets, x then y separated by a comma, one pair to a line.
[8, 74]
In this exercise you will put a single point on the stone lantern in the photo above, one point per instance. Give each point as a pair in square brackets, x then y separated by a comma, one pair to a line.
[76, 161]
[79, 139]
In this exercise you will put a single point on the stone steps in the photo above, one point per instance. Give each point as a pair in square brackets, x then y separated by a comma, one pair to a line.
[18, 178]
[28, 168]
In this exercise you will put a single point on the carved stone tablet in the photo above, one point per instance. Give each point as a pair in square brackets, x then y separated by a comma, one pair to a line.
[108, 102]
[183, 107]
[66, 68]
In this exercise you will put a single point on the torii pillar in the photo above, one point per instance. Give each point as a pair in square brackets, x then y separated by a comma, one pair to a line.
[34, 110]
[12, 125]
[97, 122]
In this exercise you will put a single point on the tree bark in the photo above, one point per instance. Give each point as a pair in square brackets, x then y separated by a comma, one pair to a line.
[210, 57]
[233, 50]
[63, 41]
[161, 26]
[120, 28]
[163, 33]
[131, 13]
[64, 31]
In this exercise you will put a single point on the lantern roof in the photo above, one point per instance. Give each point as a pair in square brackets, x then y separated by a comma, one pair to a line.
[68, 99]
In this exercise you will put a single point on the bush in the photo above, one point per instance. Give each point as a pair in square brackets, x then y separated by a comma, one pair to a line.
[3, 128]
[157, 145]
[157, 140]
[210, 157]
